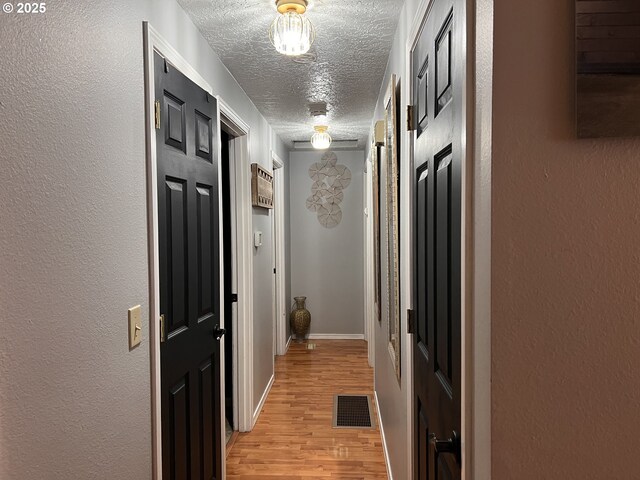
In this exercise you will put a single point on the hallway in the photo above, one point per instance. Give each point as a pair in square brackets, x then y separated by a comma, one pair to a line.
[293, 438]
[440, 196]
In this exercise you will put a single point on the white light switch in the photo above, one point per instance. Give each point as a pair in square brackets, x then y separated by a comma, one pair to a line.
[135, 326]
[257, 239]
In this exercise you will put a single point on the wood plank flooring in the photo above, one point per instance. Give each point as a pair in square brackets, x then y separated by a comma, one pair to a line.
[294, 437]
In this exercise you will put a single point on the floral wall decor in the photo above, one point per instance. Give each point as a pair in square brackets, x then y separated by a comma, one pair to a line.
[329, 182]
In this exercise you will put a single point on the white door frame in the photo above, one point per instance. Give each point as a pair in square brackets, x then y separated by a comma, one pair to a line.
[154, 42]
[280, 301]
[476, 238]
[234, 149]
[369, 259]
[243, 338]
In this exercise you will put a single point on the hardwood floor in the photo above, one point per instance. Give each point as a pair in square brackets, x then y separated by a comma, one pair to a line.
[294, 437]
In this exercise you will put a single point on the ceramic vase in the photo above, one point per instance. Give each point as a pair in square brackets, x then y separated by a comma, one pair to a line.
[300, 319]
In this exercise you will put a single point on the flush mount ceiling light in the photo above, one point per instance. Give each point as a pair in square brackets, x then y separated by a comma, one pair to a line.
[318, 109]
[321, 140]
[291, 32]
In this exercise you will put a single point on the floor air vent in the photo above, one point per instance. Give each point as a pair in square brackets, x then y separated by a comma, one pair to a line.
[352, 411]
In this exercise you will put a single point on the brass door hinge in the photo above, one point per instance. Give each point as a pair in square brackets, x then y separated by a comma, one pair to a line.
[411, 321]
[163, 336]
[157, 115]
[410, 125]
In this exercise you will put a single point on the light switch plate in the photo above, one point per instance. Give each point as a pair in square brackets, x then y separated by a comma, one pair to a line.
[135, 326]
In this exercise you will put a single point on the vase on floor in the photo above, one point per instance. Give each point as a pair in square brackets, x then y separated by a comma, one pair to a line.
[300, 319]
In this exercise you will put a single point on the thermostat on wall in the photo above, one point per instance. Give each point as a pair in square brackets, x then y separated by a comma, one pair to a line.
[257, 239]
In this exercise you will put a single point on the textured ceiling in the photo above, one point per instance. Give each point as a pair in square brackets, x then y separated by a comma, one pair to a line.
[344, 68]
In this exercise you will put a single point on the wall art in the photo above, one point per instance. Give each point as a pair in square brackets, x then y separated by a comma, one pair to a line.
[330, 179]
[261, 187]
[608, 68]
[392, 184]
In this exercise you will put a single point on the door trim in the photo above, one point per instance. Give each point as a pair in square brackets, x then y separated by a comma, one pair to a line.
[243, 379]
[263, 399]
[384, 439]
[476, 238]
[280, 276]
[153, 41]
[478, 327]
[369, 297]
[335, 336]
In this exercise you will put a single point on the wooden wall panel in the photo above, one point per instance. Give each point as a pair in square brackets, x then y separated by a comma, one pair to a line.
[608, 36]
[608, 68]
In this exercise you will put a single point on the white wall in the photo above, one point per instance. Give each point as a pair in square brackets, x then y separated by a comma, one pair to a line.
[73, 245]
[565, 265]
[327, 263]
[263, 264]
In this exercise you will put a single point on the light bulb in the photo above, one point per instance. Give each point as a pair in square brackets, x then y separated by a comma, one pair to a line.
[321, 140]
[291, 33]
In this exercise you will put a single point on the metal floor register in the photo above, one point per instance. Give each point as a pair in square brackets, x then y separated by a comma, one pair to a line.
[352, 411]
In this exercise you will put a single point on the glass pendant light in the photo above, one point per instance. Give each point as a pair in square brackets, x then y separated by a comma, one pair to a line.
[291, 32]
[321, 140]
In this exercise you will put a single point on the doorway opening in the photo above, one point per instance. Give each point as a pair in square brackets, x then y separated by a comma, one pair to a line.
[238, 271]
[281, 334]
[168, 78]
[230, 279]
[241, 352]
[450, 207]
[188, 261]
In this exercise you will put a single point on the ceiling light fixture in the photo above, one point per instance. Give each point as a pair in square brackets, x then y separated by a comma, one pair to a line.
[291, 32]
[321, 140]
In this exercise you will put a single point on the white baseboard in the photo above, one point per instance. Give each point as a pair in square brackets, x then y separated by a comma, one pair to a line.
[384, 440]
[263, 399]
[286, 347]
[336, 336]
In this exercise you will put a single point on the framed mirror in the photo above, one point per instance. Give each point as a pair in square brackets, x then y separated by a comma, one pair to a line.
[392, 184]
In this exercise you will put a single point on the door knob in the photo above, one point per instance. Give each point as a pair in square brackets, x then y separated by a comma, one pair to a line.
[219, 332]
[450, 445]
